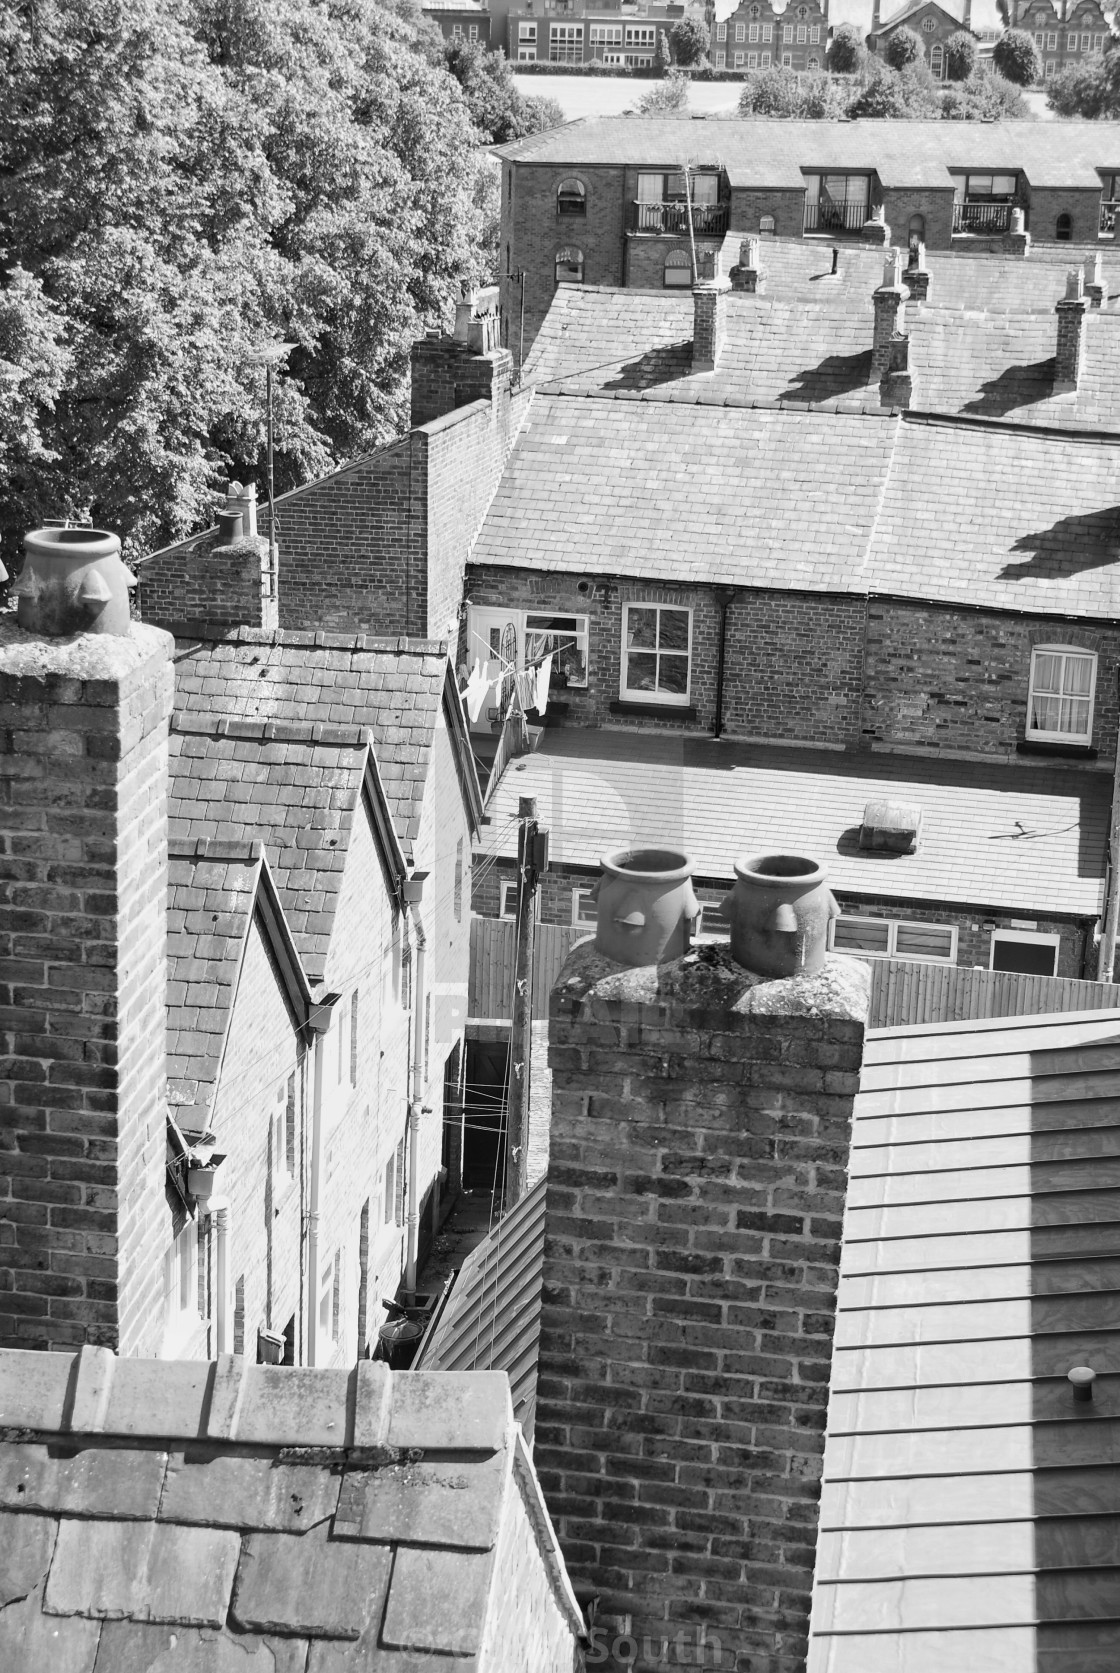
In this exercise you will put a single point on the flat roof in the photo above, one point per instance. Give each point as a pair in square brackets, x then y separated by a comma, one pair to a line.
[1005, 837]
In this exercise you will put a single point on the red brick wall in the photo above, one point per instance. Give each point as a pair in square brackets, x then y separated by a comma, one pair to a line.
[749, 205]
[645, 258]
[83, 981]
[936, 207]
[695, 1194]
[195, 582]
[1083, 208]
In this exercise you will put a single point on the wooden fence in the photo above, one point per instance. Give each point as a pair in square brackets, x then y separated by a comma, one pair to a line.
[902, 992]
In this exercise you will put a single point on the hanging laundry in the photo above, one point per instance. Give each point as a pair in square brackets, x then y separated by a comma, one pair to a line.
[527, 689]
[474, 695]
[544, 675]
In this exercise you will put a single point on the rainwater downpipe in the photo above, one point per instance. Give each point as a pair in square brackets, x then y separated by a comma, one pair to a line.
[724, 598]
[318, 1021]
[413, 891]
[217, 1212]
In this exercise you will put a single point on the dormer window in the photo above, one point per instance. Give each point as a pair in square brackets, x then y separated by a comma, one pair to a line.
[1060, 700]
[571, 198]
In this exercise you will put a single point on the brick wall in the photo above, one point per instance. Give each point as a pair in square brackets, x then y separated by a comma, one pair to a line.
[749, 205]
[695, 1195]
[1083, 208]
[528, 1628]
[263, 1056]
[645, 258]
[83, 979]
[223, 586]
[533, 231]
[936, 207]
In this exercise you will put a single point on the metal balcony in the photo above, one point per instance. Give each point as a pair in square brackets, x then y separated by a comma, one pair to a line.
[1107, 227]
[835, 217]
[985, 220]
[709, 220]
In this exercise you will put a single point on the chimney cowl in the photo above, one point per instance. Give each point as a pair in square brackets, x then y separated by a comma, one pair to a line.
[73, 580]
[231, 527]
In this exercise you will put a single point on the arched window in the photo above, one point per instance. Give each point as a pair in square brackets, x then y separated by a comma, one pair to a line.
[569, 266]
[917, 229]
[766, 225]
[678, 270]
[571, 198]
[814, 64]
[937, 61]
[1063, 228]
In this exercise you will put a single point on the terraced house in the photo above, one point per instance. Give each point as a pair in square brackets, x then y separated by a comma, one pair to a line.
[622, 201]
[1067, 33]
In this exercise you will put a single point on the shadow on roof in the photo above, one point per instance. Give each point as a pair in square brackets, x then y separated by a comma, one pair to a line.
[1016, 386]
[1087, 540]
[838, 374]
[666, 364]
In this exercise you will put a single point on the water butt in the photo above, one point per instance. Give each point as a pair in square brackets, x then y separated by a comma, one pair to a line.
[646, 905]
[779, 910]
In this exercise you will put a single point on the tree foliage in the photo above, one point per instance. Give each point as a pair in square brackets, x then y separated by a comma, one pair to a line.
[781, 92]
[960, 55]
[846, 52]
[984, 97]
[1090, 89]
[1016, 58]
[662, 57]
[903, 48]
[498, 108]
[688, 41]
[910, 93]
[185, 182]
[665, 97]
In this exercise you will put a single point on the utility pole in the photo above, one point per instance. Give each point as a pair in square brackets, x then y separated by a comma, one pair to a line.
[532, 859]
[1110, 917]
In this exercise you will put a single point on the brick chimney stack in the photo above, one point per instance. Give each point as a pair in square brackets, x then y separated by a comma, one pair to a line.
[471, 365]
[709, 312]
[917, 273]
[890, 318]
[747, 275]
[1071, 310]
[699, 1143]
[86, 698]
[1094, 280]
[221, 580]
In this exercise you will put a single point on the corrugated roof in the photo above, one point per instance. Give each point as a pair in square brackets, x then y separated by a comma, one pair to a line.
[200, 1516]
[969, 1517]
[597, 791]
[763, 152]
[492, 1320]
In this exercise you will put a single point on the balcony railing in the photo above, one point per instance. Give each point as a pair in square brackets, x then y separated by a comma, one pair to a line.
[835, 217]
[709, 220]
[984, 219]
[1109, 208]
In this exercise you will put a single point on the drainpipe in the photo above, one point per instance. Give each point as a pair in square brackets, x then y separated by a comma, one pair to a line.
[318, 1021]
[724, 597]
[1110, 917]
[216, 1210]
[413, 891]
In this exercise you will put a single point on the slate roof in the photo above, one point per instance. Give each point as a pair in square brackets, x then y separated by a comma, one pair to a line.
[760, 497]
[295, 795]
[814, 348]
[390, 689]
[760, 152]
[812, 502]
[969, 1517]
[492, 1319]
[203, 1516]
[999, 837]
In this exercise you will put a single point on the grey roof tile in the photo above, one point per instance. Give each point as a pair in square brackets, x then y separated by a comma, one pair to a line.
[150, 1570]
[437, 1601]
[475, 1409]
[31, 1641]
[100, 1481]
[310, 1584]
[25, 1558]
[144, 1647]
[208, 1485]
[448, 1501]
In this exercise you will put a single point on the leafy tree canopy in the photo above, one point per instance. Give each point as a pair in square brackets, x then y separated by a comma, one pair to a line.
[781, 92]
[846, 53]
[1091, 88]
[903, 48]
[498, 108]
[960, 55]
[185, 182]
[906, 93]
[1016, 58]
[688, 41]
[662, 57]
[666, 96]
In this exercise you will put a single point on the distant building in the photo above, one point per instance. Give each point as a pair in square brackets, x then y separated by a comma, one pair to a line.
[933, 24]
[615, 32]
[461, 20]
[1066, 33]
[758, 35]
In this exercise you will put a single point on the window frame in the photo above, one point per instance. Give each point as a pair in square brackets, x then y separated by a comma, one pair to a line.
[677, 261]
[629, 694]
[507, 901]
[893, 925]
[1032, 937]
[571, 198]
[578, 919]
[1076, 740]
[565, 256]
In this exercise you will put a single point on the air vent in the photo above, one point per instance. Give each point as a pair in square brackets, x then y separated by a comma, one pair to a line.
[894, 827]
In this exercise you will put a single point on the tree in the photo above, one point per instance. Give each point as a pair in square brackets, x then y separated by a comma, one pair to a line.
[1091, 88]
[907, 95]
[781, 92]
[1016, 58]
[185, 182]
[903, 48]
[846, 53]
[499, 110]
[984, 97]
[662, 58]
[960, 55]
[665, 97]
[688, 41]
